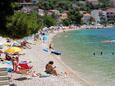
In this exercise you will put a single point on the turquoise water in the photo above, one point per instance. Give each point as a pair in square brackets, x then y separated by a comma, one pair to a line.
[81, 50]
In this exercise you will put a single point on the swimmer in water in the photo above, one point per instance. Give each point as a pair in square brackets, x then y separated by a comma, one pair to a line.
[94, 53]
[112, 53]
[101, 52]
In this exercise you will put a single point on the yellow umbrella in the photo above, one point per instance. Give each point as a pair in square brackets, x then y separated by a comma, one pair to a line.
[13, 50]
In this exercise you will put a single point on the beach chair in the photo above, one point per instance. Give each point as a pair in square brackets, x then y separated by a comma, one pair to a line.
[4, 79]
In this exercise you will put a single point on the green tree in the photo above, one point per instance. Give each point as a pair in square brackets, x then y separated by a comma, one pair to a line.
[55, 4]
[49, 21]
[22, 24]
[6, 10]
[66, 22]
[74, 17]
[105, 3]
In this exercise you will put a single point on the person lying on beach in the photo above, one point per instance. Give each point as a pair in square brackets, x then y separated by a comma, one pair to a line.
[50, 69]
[25, 44]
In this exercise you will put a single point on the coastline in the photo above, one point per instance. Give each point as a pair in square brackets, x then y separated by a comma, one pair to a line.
[69, 70]
[39, 59]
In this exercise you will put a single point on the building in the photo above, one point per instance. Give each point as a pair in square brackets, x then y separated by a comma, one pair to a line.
[98, 15]
[64, 15]
[23, 1]
[41, 12]
[93, 2]
[95, 15]
[51, 12]
[86, 18]
[113, 3]
[103, 16]
[110, 14]
[27, 2]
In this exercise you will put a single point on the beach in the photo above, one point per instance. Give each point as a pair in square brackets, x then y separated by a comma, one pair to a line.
[39, 59]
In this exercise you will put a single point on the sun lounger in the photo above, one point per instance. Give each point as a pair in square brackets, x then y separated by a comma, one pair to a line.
[4, 79]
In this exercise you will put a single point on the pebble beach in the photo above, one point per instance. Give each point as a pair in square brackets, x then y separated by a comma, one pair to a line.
[39, 58]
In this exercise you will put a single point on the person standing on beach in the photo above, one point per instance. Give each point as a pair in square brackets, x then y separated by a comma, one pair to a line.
[50, 46]
[15, 64]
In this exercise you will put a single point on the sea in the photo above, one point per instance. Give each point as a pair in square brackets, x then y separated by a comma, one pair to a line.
[89, 52]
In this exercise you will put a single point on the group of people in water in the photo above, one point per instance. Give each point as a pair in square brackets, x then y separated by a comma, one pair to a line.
[101, 53]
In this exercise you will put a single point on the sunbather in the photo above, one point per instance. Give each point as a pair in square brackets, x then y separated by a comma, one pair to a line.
[50, 69]
[25, 44]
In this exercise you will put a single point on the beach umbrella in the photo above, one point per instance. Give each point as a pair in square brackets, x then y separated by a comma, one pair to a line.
[13, 50]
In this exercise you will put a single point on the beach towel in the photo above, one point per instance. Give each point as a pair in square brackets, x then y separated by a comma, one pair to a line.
[44, 74]
[45, 49]
[8, 65]
[56, 52]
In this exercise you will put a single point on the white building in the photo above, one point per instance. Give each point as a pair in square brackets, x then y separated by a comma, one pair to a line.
[95, 15]
[86, 18]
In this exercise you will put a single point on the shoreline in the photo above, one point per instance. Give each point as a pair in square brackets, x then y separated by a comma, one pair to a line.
[74, 74]
[39, 59]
